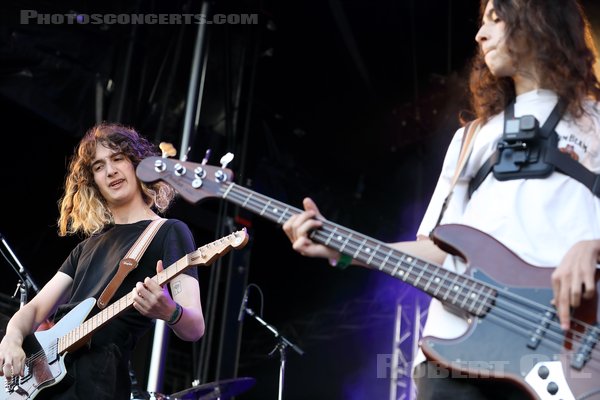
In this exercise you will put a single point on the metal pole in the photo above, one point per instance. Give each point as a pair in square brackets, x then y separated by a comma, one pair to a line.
[157, 360]
[193, 86]
[281, 370]
[161, 332]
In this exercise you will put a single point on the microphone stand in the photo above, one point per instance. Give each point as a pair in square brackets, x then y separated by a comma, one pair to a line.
[282, 345]
[25, 280]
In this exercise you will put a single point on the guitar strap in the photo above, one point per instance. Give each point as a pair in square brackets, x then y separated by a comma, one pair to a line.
[130, 261]
[471, 130]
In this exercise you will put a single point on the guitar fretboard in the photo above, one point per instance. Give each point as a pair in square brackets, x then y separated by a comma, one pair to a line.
[447, 286]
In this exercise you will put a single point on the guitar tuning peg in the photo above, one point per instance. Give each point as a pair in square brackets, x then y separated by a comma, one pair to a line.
[167, 150]
[184, 158]
[226, 159]
[206, 157]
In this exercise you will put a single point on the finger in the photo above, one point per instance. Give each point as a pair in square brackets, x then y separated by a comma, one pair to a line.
[589, 283]
[310, 205]
[293, 224]
[575, 292]
[141, 289]
[151, 285]
[307, 227]
[159, 266]
[8, 369]
[302, 246]
[287, 227]
[300, 220]
[563, 307]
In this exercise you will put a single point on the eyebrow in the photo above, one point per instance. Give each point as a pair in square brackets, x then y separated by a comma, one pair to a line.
[94, 163]
[101, 160]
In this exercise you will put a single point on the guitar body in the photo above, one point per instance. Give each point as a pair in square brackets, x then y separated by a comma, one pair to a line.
[44, 365]
[493, 347]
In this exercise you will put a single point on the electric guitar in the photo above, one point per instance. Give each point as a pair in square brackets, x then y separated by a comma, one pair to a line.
[513, 333]
[45, 350]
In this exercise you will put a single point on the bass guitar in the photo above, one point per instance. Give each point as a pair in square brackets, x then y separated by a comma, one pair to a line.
[45, 350]
[513, 333]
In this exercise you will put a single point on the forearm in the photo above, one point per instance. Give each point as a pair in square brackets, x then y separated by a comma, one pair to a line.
[189, 323]
[189, 326]
[22, 323]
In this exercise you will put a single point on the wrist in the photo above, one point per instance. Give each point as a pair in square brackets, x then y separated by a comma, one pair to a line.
[175, 315]
[342, 261]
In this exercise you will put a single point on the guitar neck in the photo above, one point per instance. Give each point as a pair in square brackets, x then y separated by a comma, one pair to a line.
[79, 335]
[458, 290]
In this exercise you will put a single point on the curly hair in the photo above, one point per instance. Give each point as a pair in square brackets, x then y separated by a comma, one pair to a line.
[557, 34]
[82, 207]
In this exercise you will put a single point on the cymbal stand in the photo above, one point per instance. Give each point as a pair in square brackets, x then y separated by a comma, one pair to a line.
[282, 345]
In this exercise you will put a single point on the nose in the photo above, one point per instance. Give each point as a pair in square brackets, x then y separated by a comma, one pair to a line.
[110, 169]
[481, 35]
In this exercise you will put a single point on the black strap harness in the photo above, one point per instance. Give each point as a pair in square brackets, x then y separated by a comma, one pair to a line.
[526, 152]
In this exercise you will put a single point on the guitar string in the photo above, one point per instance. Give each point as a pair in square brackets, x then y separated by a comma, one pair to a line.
[117, 305]
[591, 363]
[460, 298]
[351, 234]
[554, 338]
[291, 210]
[353, 245]
[254, 198]
[514, 308]
[78, 332]
[110, 309]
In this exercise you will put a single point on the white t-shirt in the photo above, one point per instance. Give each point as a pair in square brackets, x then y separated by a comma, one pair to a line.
[538, 219]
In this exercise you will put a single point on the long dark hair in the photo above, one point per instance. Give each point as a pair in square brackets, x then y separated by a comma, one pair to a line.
[558, 37]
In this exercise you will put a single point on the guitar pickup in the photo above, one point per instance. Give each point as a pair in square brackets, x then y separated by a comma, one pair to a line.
[540, 330]
[584, 352]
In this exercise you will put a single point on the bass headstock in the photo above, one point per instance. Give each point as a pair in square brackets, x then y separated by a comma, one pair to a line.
[193, 181]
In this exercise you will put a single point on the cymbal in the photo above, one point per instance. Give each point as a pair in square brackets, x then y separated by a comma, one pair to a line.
[216, 390]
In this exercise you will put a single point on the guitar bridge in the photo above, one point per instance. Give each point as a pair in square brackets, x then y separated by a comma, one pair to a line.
[540, 330]
[11, 385]
[584, 352]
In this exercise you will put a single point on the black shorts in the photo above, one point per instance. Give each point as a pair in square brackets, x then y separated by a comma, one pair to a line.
[99, 373]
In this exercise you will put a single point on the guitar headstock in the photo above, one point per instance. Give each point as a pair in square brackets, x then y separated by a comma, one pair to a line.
[208, 253]
[193, 181]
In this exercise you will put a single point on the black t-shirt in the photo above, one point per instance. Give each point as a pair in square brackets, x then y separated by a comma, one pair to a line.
[94, 262]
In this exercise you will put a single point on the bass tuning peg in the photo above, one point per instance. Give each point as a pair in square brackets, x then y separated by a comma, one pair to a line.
[206, 157]
[167, 150]
[226, 159]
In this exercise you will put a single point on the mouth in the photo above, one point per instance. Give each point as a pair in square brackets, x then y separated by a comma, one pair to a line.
[487, 51]
[116, 183]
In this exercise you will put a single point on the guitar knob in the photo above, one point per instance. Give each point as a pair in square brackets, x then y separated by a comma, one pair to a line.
[543, 372]
[179, 169]
[159, 166]
[552, 388]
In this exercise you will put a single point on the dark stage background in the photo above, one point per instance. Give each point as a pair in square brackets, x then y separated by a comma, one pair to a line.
[349, 102]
